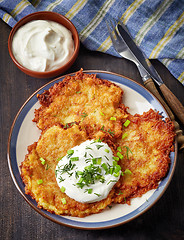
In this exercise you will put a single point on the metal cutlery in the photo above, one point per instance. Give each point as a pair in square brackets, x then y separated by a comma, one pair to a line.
[147, 72]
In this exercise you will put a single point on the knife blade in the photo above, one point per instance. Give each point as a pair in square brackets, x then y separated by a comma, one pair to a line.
[145, 67]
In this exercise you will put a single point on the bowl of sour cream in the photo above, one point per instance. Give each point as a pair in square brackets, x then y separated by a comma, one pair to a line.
[44, 44]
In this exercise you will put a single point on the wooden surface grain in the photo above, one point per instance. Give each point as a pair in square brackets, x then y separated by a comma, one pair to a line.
[165, 220]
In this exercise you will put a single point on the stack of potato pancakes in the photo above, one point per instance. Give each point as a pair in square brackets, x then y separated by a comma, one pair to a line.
[83, 107]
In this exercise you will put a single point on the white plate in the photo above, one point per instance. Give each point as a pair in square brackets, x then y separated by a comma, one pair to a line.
[24, 132]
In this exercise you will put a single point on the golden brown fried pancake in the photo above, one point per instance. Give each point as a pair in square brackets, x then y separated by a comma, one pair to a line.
[82, 98]
[146, 147]
[53, 144]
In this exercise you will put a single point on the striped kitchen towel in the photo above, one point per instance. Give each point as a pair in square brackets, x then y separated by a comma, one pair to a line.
[157, 26]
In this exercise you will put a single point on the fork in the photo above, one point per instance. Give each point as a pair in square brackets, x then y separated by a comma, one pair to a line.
[121, 47]
[116, 39]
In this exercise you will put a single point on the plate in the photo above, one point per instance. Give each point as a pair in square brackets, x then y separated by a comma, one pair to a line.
[24, 132]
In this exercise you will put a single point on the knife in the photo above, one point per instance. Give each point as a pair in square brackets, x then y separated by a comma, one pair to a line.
[148, 72]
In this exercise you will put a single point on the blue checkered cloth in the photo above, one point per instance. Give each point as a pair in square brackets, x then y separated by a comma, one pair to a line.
[156, 26]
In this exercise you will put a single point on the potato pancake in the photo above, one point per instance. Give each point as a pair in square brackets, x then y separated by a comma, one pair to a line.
[145, 146]
[82, 98]
[84, 107]
[40, 178]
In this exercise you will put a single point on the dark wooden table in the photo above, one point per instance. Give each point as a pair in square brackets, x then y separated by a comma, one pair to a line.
[165, 220]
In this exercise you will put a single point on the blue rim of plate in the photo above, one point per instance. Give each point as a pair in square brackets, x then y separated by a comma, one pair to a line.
[14, 171]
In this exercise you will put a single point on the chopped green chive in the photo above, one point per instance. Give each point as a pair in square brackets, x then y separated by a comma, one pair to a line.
[127, 171]
[78, 92]
[116, 174]
[40, 181]
[115, 163]
[94, 160]
[61, 179]
[124, 135]
[120, 155]
[47, 167]
[117, 168]
[111, 181]
[106, 158]
[78, 173]
[63, 189]
[63, 200]
[99, 146]
[126, 123]
[104, 166]
[99, 160]
[83, 115]
[97, 194]
[88, 148]
[66, 125]
[42, 161]
[74, 159]
[119, 149]
[127, 151]
[90, 190]
[70, 152]
[113, 119]
[90, 174]
[116, 158]
[66, 168]
[59, 159]
[111, 133]
[101, 113]
[98, 140]
[107, 150]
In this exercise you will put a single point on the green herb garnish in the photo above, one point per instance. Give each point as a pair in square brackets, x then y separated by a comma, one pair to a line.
[47, 167]
[89, 191]
[127, 171]
[84, 115]
[66, 168]
[90, 174]
[124, 135]
[99, 146]
[113, 119]
[63, 189]
[127, 151]
[63, 200]
[120, 155]
[126, 123]
[97, 194]
[40, 181]
[116, 158]
[42, 161]
[69, 152]
[74, 159]
[119, 149]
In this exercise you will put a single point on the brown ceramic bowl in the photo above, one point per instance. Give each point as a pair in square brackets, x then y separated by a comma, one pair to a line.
[52, 16]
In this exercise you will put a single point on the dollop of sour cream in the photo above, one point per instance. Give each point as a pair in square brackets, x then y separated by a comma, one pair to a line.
[42, 45]
[88, 172]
